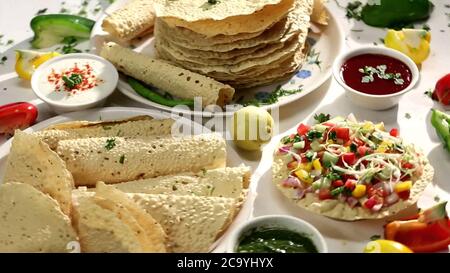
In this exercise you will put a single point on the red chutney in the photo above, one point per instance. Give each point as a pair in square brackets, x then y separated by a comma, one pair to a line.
[353, 77]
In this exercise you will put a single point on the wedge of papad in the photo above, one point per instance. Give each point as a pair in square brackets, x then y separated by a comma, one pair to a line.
[32, 221]
[338, 210]
[114, 160]
[31, 161]
[138, 126]
[228, 182]
[192, 223]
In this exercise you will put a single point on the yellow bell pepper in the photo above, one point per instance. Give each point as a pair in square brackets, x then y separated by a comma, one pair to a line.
[403, 186]
[384, 146]
[317, 165]
[413, 42]
[306, 166]
[359, 191]
[304, 176]
[28, 60]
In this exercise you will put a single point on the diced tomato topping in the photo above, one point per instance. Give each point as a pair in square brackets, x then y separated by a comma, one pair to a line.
[292, 165]
[325, 194]
[407, 165]
[302, 129]
[404, 195]
[342, 133]
[358, 142]
[370, 203]
[363, 151]
[350, 184]
[394, 132]
[338, 183]
[349, 158]
[376, 191]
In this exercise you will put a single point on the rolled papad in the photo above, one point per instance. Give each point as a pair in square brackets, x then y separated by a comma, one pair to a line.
[234, 18]
[192, 223]
[134, 19]
[31, 161]
[32, 221]
[224, 182]
[139, 126]
[336, 209]
[176, 81]
[114, 160]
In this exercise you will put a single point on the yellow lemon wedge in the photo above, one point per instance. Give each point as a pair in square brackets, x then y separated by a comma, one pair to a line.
[386, 246]
[413, 42]
[28, 60]
[251, 128]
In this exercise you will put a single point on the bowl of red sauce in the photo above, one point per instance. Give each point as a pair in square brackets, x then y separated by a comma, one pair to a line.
[375, 77]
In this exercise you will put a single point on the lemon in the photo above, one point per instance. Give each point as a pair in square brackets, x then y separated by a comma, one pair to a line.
[252, 127]
[386, 246]
[413, 42]
[28, 60]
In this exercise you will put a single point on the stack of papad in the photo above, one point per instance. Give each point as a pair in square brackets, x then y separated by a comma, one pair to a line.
[118, 159]
[31, 221]
[240, 43]
[139, 126]
[109, 221]
[31, 161]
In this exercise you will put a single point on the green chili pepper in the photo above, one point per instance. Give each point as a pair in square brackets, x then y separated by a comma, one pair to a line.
[396, 13]
[51, 29]
[441, 122]
[156, 97]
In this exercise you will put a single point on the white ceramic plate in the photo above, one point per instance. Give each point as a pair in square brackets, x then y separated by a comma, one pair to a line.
[316, 70]
[113, 113]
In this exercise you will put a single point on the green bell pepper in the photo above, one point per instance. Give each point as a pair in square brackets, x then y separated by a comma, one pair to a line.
[441, 122]
[151, 95]
[395, 13]
[51, 29]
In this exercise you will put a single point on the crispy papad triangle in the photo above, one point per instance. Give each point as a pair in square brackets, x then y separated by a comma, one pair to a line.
[108, 221]
[32, 221]
[192, 223]
[31, 161]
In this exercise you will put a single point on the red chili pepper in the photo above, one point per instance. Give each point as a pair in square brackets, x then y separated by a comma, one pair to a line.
[303, 129]
[18, 115]
[442, 90]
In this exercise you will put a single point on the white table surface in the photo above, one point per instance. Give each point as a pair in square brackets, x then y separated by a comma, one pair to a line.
[329, 98]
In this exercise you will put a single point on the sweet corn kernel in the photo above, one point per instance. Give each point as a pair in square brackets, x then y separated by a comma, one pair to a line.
[304, 176]
[380, 126]
[359, 191]
[317, 165]
[403, 186]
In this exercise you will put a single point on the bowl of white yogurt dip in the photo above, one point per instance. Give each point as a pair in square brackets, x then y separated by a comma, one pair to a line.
[74, 82]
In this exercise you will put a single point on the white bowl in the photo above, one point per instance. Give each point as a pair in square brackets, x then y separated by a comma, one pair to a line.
[374, 102]
[109, 75]
[277, 221]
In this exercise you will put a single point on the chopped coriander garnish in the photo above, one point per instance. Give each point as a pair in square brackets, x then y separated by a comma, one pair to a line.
[73, 80]
[309, 155]
[380, 72]
[110, 143]
[63, 10]
[41, 11]
[354, 10]
[69, 45]
[333, 176]
[426, 27]
[332, 135]
[273, 97]
[337, 191]
[321, 118]
[122, 159]
[353, 148]
[429, 93]
[437, 198]
[85, 3]
[407, 115]
[375, 237]
[212, 2]
[9, 42]
[3, 60]
[313, 134]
